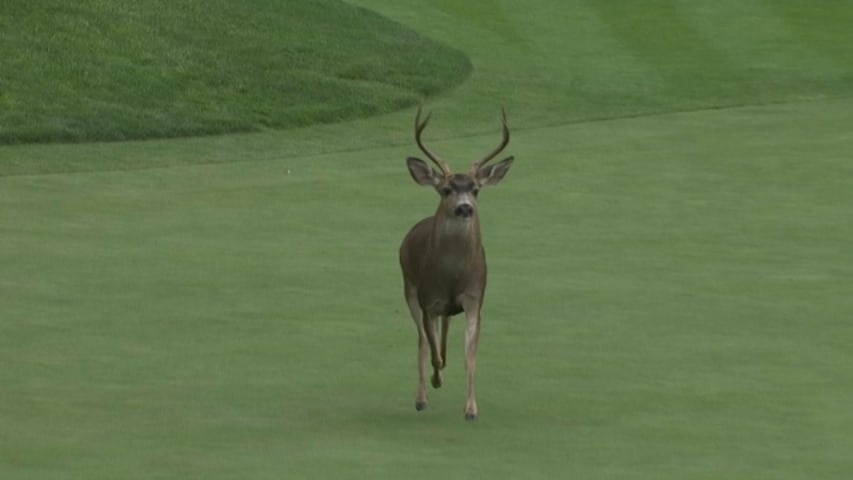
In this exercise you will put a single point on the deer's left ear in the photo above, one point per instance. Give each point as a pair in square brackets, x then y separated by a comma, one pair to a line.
[493, 174]
[422, 173]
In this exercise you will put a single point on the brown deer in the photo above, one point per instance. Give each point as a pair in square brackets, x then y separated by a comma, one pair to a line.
[443, 261]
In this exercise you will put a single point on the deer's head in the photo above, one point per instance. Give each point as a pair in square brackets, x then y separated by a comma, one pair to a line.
[458, 191]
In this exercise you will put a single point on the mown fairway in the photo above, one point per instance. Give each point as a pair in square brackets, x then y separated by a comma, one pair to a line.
[671, 274]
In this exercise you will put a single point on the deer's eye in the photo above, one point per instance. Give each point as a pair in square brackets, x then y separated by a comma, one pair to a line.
[475, 191]
[446, 191]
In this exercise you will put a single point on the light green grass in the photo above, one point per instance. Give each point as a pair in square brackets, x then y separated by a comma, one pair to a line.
[681, 311]
[669, 294]
[99, 70]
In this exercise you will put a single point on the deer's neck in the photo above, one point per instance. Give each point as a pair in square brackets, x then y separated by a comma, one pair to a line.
[457, 239]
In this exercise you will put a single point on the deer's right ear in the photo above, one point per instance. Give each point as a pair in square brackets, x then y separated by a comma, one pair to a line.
[422, 173]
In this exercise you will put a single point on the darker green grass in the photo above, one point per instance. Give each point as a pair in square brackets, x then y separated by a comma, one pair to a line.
[683, 48]
[97, 71]
[583, 61]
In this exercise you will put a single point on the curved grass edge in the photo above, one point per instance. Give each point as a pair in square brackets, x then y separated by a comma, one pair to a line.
[90, 72]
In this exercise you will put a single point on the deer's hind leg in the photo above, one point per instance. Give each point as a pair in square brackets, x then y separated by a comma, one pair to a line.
[418, 317]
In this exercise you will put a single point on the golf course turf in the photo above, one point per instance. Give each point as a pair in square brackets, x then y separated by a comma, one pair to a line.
[670, 267]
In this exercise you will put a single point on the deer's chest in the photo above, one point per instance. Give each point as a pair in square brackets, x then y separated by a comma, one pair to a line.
[448, 279]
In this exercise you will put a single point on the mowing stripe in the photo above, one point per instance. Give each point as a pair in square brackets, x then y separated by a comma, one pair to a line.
[818, 28]
[756, 37]
[661, 27]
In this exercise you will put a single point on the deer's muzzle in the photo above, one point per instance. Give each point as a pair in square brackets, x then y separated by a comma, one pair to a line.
[464, 210]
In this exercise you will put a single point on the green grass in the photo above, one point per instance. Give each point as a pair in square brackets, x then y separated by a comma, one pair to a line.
[669, 291]
[97, 70]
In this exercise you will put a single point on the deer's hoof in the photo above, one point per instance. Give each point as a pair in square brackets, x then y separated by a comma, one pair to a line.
[420, 406]
[470, 416]
[436, 380]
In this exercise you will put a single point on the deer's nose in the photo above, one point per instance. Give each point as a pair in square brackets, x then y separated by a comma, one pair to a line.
[464, 210]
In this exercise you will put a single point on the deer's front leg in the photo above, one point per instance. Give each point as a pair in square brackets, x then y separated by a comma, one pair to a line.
[420, 396]
[445, 326]
[472, 338]
[417, 316]
[430, 325]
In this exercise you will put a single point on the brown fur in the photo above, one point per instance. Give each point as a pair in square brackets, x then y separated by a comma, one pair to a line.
[444, 264]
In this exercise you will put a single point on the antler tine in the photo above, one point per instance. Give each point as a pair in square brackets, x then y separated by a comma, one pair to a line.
[419, 128]
[495, 152]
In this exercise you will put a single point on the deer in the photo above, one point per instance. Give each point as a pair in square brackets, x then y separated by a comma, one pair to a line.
[443, 260]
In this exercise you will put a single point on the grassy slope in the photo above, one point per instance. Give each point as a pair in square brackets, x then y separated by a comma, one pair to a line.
[93, 71]
[550, 65]
[681, 312]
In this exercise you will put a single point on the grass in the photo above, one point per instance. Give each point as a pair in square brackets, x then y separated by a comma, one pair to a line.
[95, 71]
[668, 298]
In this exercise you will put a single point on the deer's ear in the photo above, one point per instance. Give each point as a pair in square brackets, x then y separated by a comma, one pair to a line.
[422, 173]
[493, 174]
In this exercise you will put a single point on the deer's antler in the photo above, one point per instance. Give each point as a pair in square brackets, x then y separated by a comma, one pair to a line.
[495, 152]
[419, 128]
